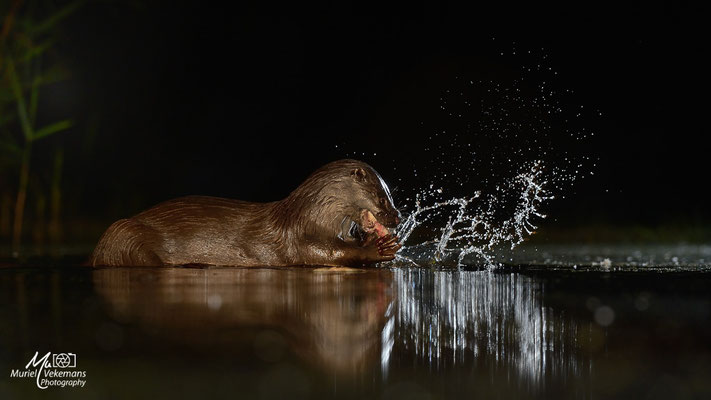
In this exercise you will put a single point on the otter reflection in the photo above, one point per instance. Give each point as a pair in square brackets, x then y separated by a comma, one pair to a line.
[331, 319]
[497, 326]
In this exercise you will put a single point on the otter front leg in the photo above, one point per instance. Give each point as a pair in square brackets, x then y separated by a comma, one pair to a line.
[387, 246]
[351, 252]
[369, 252]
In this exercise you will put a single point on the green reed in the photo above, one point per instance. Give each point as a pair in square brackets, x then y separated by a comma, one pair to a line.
[25, 68]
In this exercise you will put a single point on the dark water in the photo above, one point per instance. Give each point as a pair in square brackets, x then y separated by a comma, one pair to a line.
[378, 333]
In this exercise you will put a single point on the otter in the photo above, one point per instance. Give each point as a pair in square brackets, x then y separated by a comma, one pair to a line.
[342, 215]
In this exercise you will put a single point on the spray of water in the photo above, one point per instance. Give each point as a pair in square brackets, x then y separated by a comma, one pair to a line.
[472, 226]
[514, 145]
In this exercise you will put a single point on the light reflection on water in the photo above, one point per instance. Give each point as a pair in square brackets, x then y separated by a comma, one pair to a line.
[452, 319]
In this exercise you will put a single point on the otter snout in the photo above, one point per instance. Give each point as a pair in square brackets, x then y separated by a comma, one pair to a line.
[390, 218]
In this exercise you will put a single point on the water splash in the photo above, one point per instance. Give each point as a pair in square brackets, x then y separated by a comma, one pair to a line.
[472, 226]
[514, 144]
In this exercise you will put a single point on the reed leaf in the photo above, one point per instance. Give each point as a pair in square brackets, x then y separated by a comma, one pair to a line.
[52, 128]
[37, 50]
[16, 87]
[53, 19]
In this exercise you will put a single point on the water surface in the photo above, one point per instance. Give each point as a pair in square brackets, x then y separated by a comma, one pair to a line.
[377, 333]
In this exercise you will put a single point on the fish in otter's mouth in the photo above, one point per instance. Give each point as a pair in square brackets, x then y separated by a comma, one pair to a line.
[366, 228]
[386, 241]
[369, 230]
[369, 224]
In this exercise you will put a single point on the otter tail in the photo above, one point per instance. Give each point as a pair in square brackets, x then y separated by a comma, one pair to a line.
[127, 242]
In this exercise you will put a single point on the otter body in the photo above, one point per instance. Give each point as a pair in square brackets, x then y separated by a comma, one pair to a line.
[340, 216]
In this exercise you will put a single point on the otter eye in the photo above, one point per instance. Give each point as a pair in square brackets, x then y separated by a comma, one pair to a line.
[383, 202]
[355, 231]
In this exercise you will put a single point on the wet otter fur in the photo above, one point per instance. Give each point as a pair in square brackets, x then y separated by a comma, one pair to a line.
[342, 215]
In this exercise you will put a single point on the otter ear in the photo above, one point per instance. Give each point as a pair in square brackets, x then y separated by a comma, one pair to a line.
[358, 174]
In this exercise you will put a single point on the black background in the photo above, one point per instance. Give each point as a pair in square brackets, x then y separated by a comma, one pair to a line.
[244, 101]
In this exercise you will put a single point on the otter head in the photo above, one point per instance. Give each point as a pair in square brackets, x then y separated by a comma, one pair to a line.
[350, 196]
[371, 197]
[367, 204]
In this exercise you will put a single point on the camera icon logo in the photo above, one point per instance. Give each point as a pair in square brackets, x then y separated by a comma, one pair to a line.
[64, 360]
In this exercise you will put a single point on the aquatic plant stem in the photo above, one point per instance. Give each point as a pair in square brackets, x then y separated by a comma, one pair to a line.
[21, 198]
[28, 132]
[55, 197]
[9, 20]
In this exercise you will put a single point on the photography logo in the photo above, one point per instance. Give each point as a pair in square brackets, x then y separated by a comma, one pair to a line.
[64, 360]
[56, 370]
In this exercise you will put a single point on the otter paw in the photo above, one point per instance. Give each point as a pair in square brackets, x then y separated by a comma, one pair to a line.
[388, 246]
